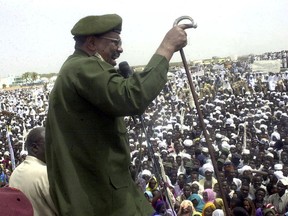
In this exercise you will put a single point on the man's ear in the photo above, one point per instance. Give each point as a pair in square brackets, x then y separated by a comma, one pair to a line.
[34, 147]
[91, 43]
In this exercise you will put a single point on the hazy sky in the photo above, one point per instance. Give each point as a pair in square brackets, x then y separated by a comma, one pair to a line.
[35, 34]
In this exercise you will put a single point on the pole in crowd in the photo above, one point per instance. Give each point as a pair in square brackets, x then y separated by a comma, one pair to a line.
[158, 168]
[12, 157]
[201, 119]
[8, 130]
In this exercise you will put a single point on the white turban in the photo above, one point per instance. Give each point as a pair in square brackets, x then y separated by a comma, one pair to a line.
[284, 181]
[218, 212]
[188, 142]
[238, 183]
[146, 172]
[208, 167]
[276, 135]
[246, 151]
[163, 145]
[244, 168]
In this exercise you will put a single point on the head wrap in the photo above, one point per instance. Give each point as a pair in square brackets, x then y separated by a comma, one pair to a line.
[278, 166]
[246, 151]
[149, 194]
[208, 167]
[201, 203]
[188, 142]
[238, 183]
[201, 188]
[185, 204]
[218, 212]
[210, 194]
[148, 188]
[146, 172]
[219, 202]
[244, 168]
[207, 205]
[284, 181]
[205, 150]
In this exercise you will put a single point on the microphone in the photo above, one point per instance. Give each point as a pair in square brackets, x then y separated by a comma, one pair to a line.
[124, 69]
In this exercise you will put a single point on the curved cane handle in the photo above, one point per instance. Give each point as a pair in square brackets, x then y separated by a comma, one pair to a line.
[192, 25]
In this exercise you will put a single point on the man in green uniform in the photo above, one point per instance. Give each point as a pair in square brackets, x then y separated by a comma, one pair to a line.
[87, 151]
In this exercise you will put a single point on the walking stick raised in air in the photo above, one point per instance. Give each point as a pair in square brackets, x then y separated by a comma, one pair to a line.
[201, 119]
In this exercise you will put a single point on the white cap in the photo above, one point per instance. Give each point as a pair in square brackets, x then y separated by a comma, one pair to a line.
[162, 145]
[225, 145]
[246, 151]
[278, 167]
[205, 149]
[269, 154]
[208, 167]
[23, 152]
[146, 172]
[284, 181]
[185, 155]
[244, 168]
[219, 136]
[188, 142]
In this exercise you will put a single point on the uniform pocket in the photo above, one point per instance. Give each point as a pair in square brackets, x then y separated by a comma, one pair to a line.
[120, 181]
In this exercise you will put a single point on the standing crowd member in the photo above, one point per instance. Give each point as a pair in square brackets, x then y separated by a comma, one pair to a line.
[88, 153]
[31, 175]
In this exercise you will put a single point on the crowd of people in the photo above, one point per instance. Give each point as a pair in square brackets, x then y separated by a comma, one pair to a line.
[247, 127]
[171, 161]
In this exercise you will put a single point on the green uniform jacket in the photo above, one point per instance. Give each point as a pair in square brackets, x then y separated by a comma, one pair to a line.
[86, 139]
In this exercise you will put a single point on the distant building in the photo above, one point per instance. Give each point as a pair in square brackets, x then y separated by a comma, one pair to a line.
[7, 81]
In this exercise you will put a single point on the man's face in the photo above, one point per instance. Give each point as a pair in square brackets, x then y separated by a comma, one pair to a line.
[194, 177]
[171, 159]
[187, 190]
[205, 196]
[187, 210]
[173, 177]
[208, 211]
[110, 47]
[281, 187]
[260, 195]
[257, 181]
[152, 183]
[244, 190]
[194, 188]
[285, 170]
[225, 186]
[284, 158]
[208, 175]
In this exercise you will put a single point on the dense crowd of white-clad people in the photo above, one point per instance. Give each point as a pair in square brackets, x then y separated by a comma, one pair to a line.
[245, 115]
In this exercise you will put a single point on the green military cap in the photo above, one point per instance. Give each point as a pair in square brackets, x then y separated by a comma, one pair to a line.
[94, 25]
